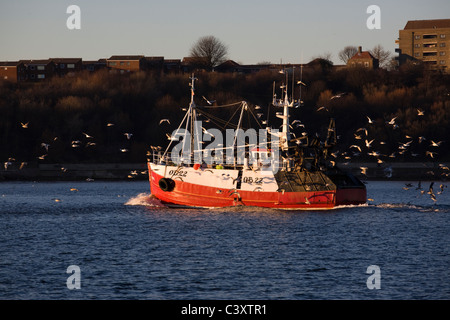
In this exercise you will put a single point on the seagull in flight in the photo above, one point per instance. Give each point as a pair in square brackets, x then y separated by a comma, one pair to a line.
[435, 144]
[128, 135]
[369, 143]
[87, 136]
[392, 121]
[45, 145]
[369, 120]
[209, 102]
[322, 108]
[164, 120]
[420, 112]
[24, 125]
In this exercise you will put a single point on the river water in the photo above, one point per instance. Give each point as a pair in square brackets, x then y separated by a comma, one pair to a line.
[127, 246]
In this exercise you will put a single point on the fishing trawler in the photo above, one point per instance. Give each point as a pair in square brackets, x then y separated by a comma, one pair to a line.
[277, 171]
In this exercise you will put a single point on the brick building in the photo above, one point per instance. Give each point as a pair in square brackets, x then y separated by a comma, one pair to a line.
[363, 59]
[67, 66]
[38, 70]
[427, 41]
[13, 71]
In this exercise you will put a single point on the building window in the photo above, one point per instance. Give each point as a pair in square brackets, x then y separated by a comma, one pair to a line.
[32, 67]
[442, 62]
[112, 63]
[429, 54]
[417, 45]
[41, 76]
[417, 37]
[429, 36]
[62, 65]
[40, 67]
[442, 36]
[417, 54]
[70, 66]
[442, 44]
[122, 63]
[366, 64]
[430, 45]
[442, 53]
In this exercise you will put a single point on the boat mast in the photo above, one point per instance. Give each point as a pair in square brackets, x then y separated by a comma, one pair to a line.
[285, 132]
[194, 126]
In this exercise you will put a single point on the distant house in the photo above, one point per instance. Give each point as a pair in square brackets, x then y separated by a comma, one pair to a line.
[38, 70]
[172, 65]
[94, 65]
[363, 59]
[154, 63]
[228, 66]
[127, 63]
[67, 66]
[189, 64]
[13, 71]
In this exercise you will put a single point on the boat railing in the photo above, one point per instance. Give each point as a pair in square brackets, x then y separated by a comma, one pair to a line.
[249, 163]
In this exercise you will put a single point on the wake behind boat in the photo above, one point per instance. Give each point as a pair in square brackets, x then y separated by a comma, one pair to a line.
[262, 169]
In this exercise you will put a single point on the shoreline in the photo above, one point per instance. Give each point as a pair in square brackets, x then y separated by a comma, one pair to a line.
[408, 171]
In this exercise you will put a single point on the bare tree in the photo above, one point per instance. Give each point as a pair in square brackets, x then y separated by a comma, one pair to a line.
[346, 53]
[383, 56]
[208, 52]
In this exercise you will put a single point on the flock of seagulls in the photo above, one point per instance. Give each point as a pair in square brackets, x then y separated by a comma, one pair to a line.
[74, 144]
[355, 149]
[430, 191]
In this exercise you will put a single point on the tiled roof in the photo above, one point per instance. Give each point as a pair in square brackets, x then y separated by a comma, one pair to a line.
[427, 24]
[9, 63]
[363, 55]
[65, 60]
[42, 61]
[126, 57]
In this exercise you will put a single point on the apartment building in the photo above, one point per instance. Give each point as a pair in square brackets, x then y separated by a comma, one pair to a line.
[427, 41]
[13, 71]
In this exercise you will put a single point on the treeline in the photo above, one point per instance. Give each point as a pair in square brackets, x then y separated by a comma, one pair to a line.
[85, 118]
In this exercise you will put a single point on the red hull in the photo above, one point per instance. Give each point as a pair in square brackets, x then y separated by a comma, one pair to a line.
[195, 195]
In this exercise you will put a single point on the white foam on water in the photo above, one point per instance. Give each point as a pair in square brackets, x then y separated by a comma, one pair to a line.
[144, 199]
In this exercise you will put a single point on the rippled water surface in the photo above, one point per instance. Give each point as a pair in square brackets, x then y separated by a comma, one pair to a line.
[129, 247]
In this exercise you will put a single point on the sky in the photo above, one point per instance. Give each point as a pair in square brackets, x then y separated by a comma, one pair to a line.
[282, 31]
